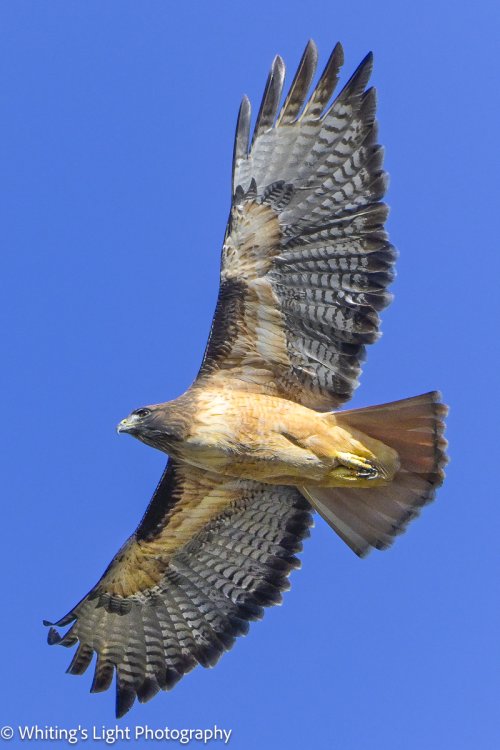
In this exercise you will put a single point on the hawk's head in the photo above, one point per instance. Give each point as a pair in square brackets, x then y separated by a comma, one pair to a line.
[156, 425]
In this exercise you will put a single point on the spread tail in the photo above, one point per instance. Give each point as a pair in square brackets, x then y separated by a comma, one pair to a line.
[371, 517]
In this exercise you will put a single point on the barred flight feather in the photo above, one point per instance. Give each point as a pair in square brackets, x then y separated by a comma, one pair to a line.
[207, 592]
[307, 221]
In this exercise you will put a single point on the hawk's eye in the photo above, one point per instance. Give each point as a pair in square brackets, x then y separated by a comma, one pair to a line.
[142, 412]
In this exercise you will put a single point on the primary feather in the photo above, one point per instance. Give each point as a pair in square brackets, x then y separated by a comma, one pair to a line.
[208, 555]
[306, 260]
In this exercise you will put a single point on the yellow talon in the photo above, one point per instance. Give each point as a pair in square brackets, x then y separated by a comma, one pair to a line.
[359, 467]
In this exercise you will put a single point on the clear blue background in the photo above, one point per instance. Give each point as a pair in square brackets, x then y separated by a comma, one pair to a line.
[116, 142]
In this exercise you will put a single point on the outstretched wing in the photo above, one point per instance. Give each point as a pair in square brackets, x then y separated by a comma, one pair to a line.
[206, 558]
[306, 260]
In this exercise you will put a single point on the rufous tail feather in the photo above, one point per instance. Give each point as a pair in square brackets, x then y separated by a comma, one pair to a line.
[371, 517]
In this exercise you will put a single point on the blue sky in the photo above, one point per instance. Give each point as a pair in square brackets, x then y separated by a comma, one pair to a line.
[116, 142]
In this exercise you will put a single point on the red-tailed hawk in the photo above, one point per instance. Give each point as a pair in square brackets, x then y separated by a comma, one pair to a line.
[254, 444]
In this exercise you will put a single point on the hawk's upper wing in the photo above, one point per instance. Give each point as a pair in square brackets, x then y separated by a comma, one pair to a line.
[306, 261]
[207, 556]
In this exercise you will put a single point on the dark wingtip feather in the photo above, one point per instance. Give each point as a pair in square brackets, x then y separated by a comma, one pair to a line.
[81, 659]
[103, 677]
[369, 106]
[311, 48]
[125, 699]
[242, 135]
[147, 690]
[271, 99]
[357, 83]
[338, 53]
[53, 636]
[172, 677]
[326, 84]
[66, 620]
[300, 85]
[278, 65]
[69, 639]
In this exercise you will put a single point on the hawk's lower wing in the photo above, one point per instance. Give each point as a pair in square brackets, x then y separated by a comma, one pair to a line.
[208, 555]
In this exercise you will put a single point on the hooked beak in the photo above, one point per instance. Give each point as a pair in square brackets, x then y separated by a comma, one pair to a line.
[129, 424]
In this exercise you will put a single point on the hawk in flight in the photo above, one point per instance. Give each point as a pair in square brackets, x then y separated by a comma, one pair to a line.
[255, 445]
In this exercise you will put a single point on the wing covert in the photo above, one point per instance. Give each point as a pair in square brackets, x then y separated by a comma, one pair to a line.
[206, 558]
[306, 260]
